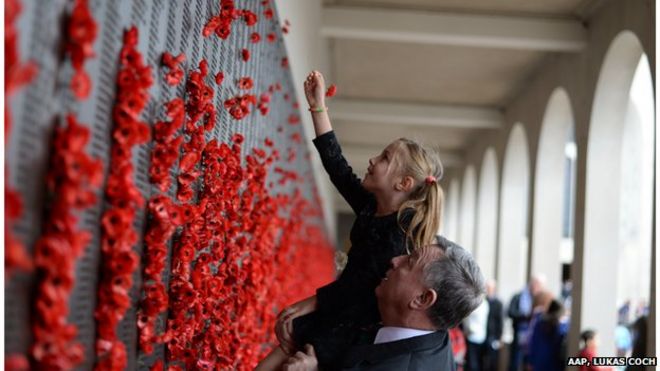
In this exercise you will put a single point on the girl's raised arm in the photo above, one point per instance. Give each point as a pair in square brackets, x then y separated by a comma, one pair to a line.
[315, 94]
[341, 174]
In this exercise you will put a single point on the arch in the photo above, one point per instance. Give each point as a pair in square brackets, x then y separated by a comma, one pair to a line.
[513, 244]
[549, 191]
[468, 206]
[486, 224]
[609, 132]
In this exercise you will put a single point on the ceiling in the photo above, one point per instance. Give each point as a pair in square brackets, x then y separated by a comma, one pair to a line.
[439, 71]
[541, 8]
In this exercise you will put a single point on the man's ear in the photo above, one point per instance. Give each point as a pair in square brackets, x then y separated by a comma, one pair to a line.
[425, 300]
[406, 184]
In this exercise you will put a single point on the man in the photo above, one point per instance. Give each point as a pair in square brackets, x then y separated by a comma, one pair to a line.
[494, 327]
[421, 296]
[520, 311]
[475, 326]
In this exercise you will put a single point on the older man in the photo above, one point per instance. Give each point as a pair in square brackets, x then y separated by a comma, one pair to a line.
[421, 296]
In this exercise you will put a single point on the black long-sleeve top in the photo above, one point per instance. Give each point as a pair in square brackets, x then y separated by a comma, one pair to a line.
[348, 305]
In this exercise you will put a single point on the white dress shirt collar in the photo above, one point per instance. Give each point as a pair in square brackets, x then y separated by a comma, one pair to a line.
[389, 334]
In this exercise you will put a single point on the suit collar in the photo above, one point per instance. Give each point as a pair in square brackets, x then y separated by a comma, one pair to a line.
[371, 353]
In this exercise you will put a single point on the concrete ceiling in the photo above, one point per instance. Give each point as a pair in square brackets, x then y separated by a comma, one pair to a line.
[542, 8]
[440, 71]
[428, 73]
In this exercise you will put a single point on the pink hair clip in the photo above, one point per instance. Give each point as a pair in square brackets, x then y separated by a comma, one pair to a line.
[430, 179]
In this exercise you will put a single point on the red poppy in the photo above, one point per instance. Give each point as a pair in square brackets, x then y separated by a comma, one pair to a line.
[245, 55]
[237, 138]
[271, 37]
[239, 106]
[268, 13]
[294, 119]
[219, 77]
[81, 84]
[249, 17]
[255, 37]
[332, 90]
[245, 83]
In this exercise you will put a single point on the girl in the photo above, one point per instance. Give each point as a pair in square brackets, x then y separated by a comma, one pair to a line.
[397, 207]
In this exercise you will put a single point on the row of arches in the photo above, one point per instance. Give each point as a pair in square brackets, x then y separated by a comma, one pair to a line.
[518, 213]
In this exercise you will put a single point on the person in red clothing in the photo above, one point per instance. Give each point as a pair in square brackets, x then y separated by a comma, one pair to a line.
[590, 344]
[458, 347]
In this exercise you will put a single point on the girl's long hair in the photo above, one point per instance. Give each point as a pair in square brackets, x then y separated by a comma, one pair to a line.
[426, 198]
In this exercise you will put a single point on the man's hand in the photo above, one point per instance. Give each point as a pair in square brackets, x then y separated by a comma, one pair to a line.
[302, 361]
[284, 324]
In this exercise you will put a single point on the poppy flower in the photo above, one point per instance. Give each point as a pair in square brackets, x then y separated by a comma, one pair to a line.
[204, 67]
[249, 17]
[294, 119]
[245, 55]
[81, 84]
[171, 61]
[245, 83]
[271, 37]
[219, 77]
[239, 106]
[237, 138]
[268, 13]
[255, 37]
[332, 90]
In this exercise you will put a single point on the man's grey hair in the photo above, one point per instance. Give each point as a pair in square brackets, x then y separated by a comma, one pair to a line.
[457, 279]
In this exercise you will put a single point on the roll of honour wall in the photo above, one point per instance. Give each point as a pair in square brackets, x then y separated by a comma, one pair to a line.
[160, 204]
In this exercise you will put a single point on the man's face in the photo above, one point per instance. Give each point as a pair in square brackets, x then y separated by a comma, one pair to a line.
[535, 286]
[404, 281]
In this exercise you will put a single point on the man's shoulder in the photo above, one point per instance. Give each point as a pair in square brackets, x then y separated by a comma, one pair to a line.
[417, 353]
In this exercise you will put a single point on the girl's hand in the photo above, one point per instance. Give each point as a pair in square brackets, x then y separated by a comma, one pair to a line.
[315, 89]
[284, 324]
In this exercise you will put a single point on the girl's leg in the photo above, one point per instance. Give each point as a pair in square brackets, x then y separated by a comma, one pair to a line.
[274, 361]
